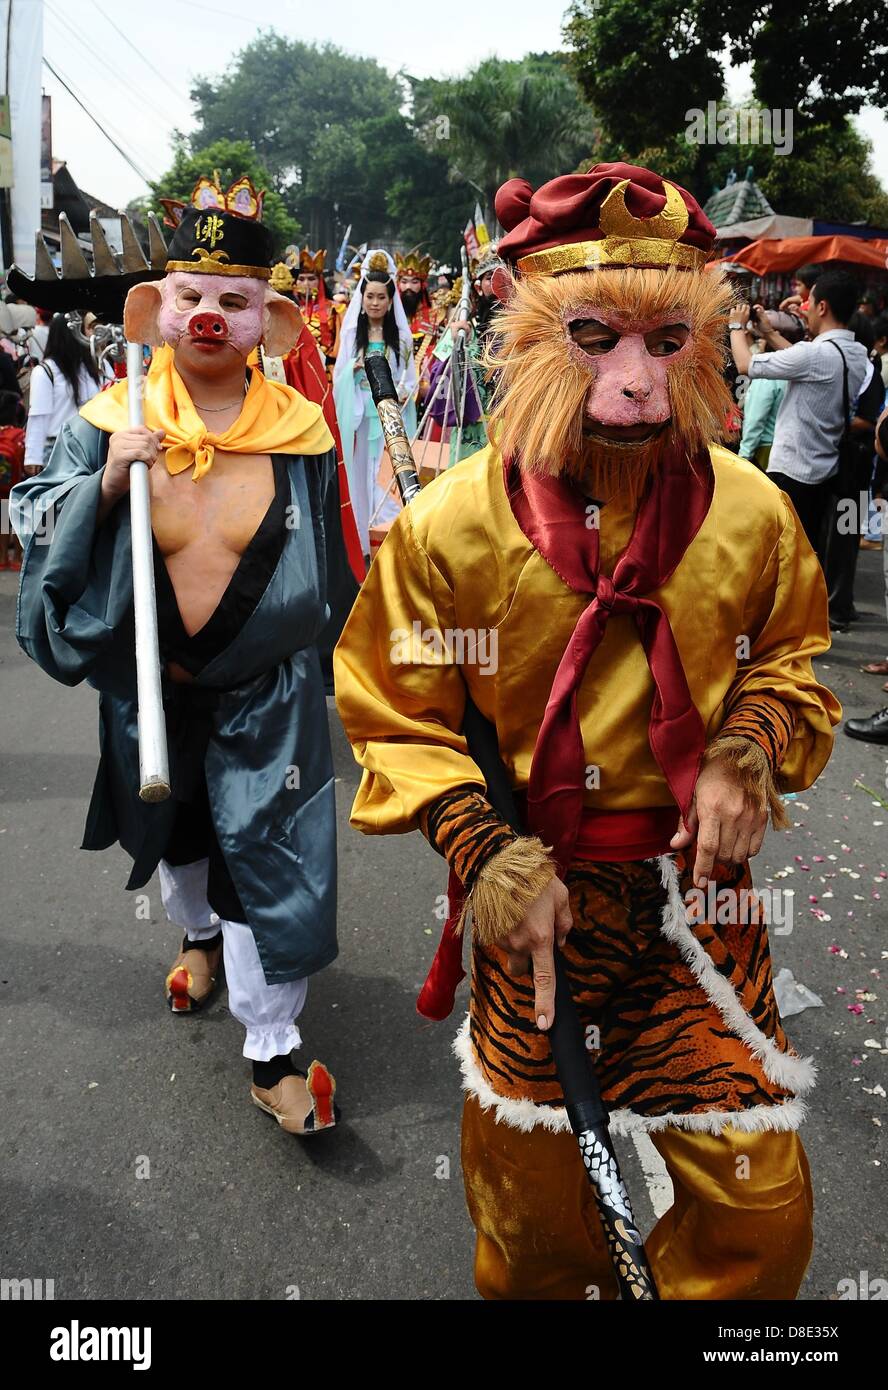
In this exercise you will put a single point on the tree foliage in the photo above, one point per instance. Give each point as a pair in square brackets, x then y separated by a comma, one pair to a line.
[341, 141]
[312, 114]
[820, 62]
[823, 61]
[507, 119]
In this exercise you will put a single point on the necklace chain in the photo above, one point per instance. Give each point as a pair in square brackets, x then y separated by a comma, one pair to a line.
[217, 409]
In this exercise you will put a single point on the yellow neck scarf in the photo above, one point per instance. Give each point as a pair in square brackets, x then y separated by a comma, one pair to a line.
[274, 419]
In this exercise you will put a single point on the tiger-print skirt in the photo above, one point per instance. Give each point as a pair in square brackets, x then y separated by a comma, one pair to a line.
[680, 1015]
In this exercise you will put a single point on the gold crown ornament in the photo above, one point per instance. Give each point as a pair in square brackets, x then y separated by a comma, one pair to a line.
[413, 264]
[241, 198]
[312, 262]
[627, 240]
[281, 279]
[486, 263]
[378, 261]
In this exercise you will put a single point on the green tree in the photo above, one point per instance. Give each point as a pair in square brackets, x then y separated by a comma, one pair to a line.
[641, 66]
[825, 61]
[821, 63]
[309, 112]
[232, 159]
[506, 119]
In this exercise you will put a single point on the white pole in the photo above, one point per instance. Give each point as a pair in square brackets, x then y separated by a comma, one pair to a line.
[154, 774]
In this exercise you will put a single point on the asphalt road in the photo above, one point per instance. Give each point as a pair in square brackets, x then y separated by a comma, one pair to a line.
[134, 1165]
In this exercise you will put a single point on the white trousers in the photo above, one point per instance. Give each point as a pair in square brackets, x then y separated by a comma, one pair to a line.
[266, 1011]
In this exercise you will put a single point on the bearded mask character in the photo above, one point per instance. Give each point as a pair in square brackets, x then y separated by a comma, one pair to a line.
[609, 347]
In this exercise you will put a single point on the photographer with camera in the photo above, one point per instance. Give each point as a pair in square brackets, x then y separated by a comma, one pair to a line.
[820, 375]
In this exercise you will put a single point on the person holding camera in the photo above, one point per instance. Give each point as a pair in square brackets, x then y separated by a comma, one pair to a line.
[812, 419]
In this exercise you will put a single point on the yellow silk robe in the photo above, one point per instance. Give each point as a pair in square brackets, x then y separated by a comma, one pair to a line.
[747, 605]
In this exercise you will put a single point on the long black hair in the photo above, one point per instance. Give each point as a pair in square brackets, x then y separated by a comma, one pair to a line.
[389, 325]
[65, 352]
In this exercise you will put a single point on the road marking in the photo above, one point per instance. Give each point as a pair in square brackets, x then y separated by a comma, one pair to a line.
[659, 1183]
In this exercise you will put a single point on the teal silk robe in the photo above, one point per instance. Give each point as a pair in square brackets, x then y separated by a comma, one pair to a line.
[262, 730]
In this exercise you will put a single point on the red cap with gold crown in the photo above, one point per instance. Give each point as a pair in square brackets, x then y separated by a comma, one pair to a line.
[616, 215]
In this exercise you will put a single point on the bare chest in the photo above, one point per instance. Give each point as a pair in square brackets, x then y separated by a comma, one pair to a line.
[221, 511]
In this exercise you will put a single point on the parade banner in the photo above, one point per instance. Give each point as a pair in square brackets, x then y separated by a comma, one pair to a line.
[481, 232]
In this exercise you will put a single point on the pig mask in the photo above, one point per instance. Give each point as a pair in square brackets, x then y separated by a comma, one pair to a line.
[242, 311]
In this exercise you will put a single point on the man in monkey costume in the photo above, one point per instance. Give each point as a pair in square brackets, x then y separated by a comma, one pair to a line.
[653, 607]
[240, 468]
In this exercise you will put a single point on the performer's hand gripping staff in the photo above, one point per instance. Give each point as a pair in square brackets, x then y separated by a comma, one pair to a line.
[154, 775]
[586, 1110]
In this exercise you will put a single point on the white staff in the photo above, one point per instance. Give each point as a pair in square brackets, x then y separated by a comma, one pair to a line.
[154, 772]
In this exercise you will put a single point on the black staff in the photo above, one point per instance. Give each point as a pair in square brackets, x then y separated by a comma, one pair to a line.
[586, 1110]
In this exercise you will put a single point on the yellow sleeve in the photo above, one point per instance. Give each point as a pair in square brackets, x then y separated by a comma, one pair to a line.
[787, 625]
[400, 694]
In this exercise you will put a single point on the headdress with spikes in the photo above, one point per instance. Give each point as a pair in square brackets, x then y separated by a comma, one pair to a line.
[487, 262]
[101, 291]
[414, 264]
[312, 262]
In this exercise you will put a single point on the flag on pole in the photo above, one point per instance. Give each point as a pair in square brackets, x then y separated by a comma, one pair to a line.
[471, 240]
[481, 233]
[340, 259]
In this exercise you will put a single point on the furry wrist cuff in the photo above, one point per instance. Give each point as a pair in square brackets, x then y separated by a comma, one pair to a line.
[753, 767]
[506, 886]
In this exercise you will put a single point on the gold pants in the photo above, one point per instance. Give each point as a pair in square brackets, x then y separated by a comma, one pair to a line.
[740, 1226]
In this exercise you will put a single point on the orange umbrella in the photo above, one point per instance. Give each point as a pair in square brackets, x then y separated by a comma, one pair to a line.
[768, 256]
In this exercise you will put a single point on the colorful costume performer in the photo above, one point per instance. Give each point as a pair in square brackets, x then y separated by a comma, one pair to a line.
[303, 368]
[246, 844]
[635, 611]
[472, 410]
[413, 287]
[322, 317]
[362, 441]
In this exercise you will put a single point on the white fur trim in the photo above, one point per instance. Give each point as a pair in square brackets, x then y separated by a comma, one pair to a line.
[526, 1115]
[795, 1074]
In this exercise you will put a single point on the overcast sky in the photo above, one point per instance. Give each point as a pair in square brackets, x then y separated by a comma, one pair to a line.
[135, 77]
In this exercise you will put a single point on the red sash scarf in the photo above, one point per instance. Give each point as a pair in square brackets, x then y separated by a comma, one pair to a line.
[552, 513]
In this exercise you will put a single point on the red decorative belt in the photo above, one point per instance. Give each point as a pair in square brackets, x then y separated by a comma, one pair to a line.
[618, 836]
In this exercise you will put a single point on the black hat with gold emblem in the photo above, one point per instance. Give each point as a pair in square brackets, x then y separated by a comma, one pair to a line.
[208, 241]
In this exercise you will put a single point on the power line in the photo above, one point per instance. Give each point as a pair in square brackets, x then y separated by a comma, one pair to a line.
[140, 54]
[106, 126]
[128, 86]
[96, 122]
[211, 9]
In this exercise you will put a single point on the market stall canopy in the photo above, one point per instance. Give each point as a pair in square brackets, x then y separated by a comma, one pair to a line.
[769, 256]
[774, 225]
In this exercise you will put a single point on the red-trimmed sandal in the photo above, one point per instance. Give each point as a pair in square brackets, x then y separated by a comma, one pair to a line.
[286, 1100]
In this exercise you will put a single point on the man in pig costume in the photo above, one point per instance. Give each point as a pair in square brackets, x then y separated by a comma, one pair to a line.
[652, 606]
[240, 467]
